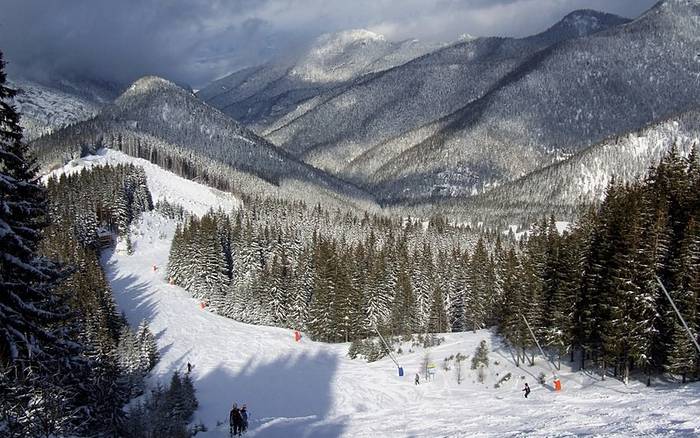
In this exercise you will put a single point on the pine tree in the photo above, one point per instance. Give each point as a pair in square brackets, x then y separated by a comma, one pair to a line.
[481, 356]
[36, 334]
[148, 349]
[437, 322]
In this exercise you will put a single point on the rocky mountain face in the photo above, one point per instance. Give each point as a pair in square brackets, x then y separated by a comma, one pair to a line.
[468, 117]
[384, 113]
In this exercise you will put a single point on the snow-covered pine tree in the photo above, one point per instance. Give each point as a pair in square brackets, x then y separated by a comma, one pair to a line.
[437, 322]
[481, 355]
[480, 288]
[403, 312]
[36, 335]
[148, 349]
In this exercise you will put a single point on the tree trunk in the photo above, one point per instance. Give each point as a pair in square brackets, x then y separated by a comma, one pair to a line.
[626, 375]
[602, 370]
[647, 370]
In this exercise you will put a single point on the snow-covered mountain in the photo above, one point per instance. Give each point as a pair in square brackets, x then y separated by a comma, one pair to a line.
[339, 128]
[555, 102]
[159, 121]
[260, 96]
[47, 106]
[563, 187]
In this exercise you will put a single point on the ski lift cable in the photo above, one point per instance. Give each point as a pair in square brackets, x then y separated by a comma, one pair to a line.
[388, 350]
[687, 329]
[551, 368]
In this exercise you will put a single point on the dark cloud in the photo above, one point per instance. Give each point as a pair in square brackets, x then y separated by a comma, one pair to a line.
[193, 41]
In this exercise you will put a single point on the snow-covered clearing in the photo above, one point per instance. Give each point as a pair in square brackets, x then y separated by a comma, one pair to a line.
[311, 389]
[192, 196]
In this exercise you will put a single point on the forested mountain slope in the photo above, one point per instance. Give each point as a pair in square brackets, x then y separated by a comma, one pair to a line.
[159, 121]
[558, 101]
[45, 107]
[380, 106]
[260, 96]
[581, 179]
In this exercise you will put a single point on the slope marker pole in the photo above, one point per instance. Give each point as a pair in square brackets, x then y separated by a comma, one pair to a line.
[388, 350]
[554, 373]
[687, 329]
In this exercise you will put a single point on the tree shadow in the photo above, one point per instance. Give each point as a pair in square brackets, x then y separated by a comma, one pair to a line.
[288, 397]
[134, 297]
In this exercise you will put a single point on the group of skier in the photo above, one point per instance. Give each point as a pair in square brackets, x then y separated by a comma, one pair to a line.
[238, 420]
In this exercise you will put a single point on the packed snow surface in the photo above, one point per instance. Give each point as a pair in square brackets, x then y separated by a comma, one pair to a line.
[311, 389]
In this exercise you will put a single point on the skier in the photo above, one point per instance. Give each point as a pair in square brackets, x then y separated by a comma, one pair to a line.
[417, 381]
[235, 420]
[189, 367]
[527, 390]
[244, 418]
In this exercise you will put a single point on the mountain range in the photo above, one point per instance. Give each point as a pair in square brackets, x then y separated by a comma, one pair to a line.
[488, 124]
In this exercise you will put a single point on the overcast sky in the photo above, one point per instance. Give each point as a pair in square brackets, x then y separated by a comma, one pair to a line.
[194, 41]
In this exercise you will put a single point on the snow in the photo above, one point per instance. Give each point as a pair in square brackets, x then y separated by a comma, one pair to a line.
[45, 110]
[314, 389]
[311, 389]
[192, 196]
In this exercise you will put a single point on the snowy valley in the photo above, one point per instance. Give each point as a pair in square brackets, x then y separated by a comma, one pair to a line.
[314, 389]
[350, 231]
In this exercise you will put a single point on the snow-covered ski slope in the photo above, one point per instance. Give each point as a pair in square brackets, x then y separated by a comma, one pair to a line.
[192, 196]
[311, 389]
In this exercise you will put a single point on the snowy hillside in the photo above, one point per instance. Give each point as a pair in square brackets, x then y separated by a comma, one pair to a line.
[44, 109]
[577, 93]
[194, 197]
[165, 124]
[581, 178]
[314, 389]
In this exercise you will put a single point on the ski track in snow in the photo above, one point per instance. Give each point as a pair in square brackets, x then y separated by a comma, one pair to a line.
[311, 389]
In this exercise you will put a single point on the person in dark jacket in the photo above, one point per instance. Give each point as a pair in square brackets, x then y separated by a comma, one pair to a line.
[235, 421]
[244, 418]
[527, 390]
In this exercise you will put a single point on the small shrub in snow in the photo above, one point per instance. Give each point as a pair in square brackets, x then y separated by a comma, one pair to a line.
[458, 367]
[481, 356]
[353, 351]
[446, 363]
[503, 380]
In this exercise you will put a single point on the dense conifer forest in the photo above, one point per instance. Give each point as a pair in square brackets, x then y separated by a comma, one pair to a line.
[68, 360]
[592, 289]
